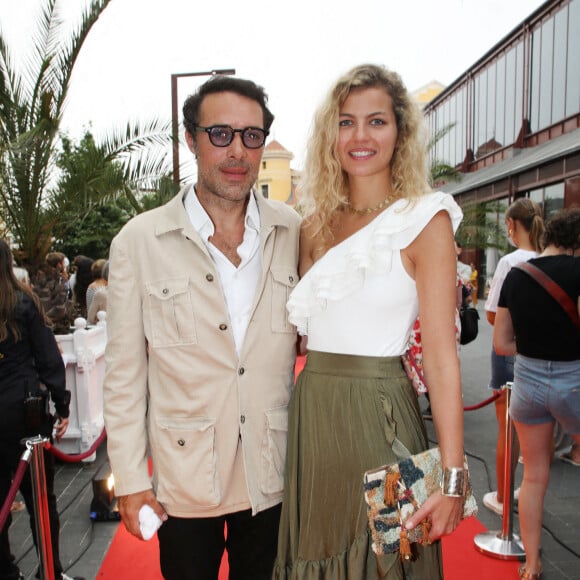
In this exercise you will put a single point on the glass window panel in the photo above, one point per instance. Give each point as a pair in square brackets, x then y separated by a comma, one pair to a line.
[559, 79]
[474, 115]
[461, 144]
[490, 126]
[445, 140]
[519, 88]
[547, 72]
[450, 144]
[481, 113]
[553, 199]
[535, 80]
[537, 195]
[510, 97]
[437, 151]
[500, 98]
[573, 69]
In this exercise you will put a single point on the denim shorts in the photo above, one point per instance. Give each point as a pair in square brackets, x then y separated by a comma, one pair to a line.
[502, 370]
[546, 391]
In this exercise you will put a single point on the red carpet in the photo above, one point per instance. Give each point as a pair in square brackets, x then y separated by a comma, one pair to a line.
[461, 561]
[132, 559]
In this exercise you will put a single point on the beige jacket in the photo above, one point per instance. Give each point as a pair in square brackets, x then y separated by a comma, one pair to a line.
[214, 425]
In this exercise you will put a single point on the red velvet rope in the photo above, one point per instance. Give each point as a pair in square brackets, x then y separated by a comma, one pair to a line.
[79, 456]
[22, 465]
[483, 403]
[419, 372]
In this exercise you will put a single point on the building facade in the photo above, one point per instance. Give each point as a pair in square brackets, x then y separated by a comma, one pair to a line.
[515, 117]
[516, 114]
[276, 179]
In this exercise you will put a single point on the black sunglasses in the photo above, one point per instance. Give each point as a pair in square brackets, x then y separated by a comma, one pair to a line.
[223, 135]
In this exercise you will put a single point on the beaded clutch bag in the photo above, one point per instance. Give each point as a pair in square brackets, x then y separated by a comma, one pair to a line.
[393, 493]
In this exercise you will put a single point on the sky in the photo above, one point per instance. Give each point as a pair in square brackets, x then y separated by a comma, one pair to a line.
[295, 50]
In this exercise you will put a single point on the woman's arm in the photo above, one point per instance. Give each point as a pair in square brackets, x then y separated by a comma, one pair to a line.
[504, 340]
[431, 260]
[307, 245]
[48, 360]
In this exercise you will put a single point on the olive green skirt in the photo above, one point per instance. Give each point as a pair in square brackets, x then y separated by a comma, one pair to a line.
[346, 412]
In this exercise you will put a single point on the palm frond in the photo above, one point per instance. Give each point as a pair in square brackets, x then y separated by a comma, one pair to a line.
[438, 135]
[66, 57]
[142, 149]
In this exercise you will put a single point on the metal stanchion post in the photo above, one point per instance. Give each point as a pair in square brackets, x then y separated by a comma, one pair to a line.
[42, 519]
[504, 545]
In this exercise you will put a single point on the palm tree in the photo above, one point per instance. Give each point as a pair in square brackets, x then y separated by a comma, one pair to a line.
[482, 226]
[441, 171]
[33, 193]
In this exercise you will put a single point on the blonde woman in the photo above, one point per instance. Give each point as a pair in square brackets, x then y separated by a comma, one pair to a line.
[377, 248]
[525, 227]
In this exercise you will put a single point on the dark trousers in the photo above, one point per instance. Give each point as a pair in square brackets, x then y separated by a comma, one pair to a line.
[10, 453]
[192, 548]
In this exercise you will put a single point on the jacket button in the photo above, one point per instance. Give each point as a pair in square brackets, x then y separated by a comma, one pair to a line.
[291, 278]
[241, 371]
[223, 326]
[243, 419]
[209, 277]
[165, 290]
[181, 442]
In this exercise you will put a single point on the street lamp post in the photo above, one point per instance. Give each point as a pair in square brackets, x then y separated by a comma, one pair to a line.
[174, 113]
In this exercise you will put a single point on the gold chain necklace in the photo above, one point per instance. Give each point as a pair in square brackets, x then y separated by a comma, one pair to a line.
[367, 210]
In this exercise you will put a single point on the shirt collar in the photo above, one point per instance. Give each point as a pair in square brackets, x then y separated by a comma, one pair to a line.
[201, 221]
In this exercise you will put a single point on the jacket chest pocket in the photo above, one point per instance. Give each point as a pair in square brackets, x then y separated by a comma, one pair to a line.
[170, 313]
[283, 282]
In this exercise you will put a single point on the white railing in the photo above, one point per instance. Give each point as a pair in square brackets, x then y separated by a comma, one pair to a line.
[84, 356]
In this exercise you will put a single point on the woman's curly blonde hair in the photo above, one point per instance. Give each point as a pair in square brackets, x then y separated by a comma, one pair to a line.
[324, 186]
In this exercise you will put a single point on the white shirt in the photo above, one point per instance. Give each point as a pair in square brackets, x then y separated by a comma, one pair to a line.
[238, 283]
[501, 271]
[464, 272]
[358, 298]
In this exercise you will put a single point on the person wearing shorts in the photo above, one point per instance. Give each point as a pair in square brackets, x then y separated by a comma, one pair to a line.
[546, 337]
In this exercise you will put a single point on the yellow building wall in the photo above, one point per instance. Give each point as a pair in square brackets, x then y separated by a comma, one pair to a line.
[275, 173]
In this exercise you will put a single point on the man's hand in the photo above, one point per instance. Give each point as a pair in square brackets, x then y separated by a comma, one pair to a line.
[60, 428]
[129, 506]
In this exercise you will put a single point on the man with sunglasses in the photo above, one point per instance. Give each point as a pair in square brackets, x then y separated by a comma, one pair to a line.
[200, 355]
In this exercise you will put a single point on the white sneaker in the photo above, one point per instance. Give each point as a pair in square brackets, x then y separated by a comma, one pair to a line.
[491, 503]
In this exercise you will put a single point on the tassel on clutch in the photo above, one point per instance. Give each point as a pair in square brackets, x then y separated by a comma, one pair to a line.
[393, 493]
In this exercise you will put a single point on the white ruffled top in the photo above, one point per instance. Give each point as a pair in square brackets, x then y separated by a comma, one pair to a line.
[358, 298]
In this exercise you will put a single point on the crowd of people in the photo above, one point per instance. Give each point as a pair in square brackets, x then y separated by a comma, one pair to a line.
[210, 297]
[33, 309]
[66, 289]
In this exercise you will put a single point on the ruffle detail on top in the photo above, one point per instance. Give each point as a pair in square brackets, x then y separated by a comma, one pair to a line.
[342, 270]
